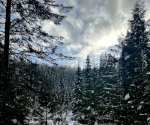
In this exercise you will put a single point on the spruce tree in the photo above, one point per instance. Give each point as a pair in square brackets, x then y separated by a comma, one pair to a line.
[22, 34]
[95, 82]
[134, 51]
[78, 94]
[134, 60]
[88, 100]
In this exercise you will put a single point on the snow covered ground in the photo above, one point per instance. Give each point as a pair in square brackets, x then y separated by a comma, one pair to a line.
[65, 118]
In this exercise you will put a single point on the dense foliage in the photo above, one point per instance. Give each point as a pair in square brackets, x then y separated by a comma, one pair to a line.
[115, 92]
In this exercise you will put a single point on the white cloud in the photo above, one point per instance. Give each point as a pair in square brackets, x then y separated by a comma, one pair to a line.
[93, 25]
[74, 47]
[56, 30]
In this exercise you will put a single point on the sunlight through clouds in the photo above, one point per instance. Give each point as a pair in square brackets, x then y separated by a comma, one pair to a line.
[93, 26]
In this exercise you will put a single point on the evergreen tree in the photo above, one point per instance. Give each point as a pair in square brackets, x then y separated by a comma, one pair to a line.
[62, 89]
[134, 52]
[88, 100]
[78, 93]
[20, 101]
[134, 60]
[21, 31]
[88, 72]
[96, 89]
[109, 89]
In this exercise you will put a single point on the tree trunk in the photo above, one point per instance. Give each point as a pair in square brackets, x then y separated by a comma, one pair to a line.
[6, 42]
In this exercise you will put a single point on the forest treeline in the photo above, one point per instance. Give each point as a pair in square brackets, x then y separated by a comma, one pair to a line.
[116, 91]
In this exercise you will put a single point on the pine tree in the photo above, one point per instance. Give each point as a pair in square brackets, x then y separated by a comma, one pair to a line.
[134, 51]
[109, 88]
[88, 100]
[62, 89]
[134, 60]
[21, 31]
[95, 82]
[78, 93]
[88, 71]
[20, 101]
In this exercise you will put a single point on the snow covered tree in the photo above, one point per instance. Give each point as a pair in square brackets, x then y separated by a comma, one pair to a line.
[96, 85]
[88, 91]
[109, 87]
[78, 93]
[62, 88]
[21, 34]
[134, 61]
[111, 77]
[19, 97]
[134, 52]
[88, 72]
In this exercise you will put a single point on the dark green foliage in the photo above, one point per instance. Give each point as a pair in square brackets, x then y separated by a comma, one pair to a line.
[105, 97]
[134, 53]
[78, 90]
[88, 91]
[22, 37]
[134, 67]
[93, 93]
[78, 94]
[17, 97]
[35, 89]
[26, 34]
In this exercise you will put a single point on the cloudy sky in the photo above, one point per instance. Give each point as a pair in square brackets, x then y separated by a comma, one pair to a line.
[93, 26]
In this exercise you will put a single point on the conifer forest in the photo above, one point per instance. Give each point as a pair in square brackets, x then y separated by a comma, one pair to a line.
[51, 75]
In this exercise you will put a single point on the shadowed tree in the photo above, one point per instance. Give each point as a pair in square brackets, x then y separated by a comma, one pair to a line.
[134, 57]
[21, 34]
[78, 93]
[134, 62]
